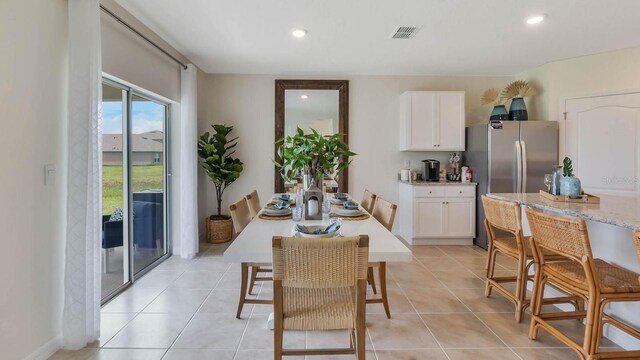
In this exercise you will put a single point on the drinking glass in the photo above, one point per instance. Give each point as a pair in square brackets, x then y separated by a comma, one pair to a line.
[296, 213]
[548, 178]
[326, 204]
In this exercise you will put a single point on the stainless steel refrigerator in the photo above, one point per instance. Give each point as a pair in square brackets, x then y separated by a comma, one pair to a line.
[509, 157]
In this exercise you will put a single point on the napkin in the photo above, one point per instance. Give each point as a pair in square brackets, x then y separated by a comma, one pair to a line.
[341, 196]
[280, 205]
[284, 197]
[333, 227]
[351, 205]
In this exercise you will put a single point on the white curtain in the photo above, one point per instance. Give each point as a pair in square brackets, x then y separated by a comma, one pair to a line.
[81, 315]
[188, 163]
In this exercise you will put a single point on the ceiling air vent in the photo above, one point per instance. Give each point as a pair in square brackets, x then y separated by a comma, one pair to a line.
[405, 32]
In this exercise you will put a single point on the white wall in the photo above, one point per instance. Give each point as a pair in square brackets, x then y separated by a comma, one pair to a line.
[33, 39]
[247, 103]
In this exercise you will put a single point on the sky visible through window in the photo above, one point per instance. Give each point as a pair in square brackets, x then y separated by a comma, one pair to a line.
[146, 116]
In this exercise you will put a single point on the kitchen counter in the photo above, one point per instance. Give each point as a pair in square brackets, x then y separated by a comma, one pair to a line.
[435, 183]
[610, 225]
[613, 210]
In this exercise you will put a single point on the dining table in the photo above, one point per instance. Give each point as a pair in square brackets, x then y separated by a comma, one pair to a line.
[253, 244]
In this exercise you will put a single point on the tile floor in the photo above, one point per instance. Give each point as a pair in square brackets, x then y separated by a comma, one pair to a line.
[185, 309]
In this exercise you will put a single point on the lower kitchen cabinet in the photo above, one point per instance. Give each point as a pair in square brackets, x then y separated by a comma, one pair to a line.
[437, 214]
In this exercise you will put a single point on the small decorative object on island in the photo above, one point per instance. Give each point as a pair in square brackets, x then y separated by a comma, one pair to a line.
[499, 112]
[569, 184]
[313, 202]
[517, 91]
[222, 169]
[554, 188]
[314, 154]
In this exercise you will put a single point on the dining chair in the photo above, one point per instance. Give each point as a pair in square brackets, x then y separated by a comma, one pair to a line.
[596, 281]
[385, 213]
[505, 217]
[320, 284]
[253, 201]
[241, 217]
[368, 201]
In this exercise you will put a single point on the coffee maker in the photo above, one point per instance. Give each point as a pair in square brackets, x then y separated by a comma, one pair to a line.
[431, 170]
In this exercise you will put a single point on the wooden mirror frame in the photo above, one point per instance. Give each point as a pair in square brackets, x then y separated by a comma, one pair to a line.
[343, 118]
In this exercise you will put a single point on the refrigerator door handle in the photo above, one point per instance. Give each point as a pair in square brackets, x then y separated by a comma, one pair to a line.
[518, 158]
[523, 151]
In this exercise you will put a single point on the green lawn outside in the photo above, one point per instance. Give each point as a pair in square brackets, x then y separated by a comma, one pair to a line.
[145, 177]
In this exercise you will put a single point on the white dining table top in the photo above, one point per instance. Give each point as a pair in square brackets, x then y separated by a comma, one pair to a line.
[253, 244]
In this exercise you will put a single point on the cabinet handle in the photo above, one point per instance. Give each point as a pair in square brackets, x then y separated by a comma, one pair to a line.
[430, 192]
[460, 192]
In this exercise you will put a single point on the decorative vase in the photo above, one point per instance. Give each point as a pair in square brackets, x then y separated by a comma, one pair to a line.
[306, 180]
[499, 113]
[570, 185]
[556, 176]
[518, 110]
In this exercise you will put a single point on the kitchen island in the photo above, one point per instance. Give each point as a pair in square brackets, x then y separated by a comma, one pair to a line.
[610, 225]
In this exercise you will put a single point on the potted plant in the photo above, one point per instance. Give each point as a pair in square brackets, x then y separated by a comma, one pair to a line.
[569, 184]
[215, 151]
[492, 96]
[312, 154]
[517, 91]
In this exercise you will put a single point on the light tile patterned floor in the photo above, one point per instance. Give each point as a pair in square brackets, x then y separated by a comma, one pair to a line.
[185, 310]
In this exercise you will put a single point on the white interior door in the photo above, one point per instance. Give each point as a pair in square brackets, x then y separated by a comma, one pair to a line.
[602, 138]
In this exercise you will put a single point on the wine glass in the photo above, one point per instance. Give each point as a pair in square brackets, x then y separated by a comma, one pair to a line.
[547, 181]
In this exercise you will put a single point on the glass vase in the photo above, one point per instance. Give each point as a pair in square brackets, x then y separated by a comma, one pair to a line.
[499, 112]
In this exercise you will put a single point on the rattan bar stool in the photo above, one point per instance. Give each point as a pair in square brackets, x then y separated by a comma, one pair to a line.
[241, 217]
[506, 216]
[596, 281]
[385, 213]
[320, 284]
[253, 200]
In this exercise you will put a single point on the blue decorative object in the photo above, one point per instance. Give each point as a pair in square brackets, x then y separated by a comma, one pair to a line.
[518, 110]
[499, 113]
[570, 185]
[351, 205]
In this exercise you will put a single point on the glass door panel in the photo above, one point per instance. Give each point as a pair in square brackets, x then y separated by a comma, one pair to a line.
[115, 249]
[147, 164]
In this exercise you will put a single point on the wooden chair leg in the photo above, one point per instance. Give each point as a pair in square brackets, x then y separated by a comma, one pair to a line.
[521, 287]
[371, 279]
[254, 274]
[591, 326]
[536, 304]
[243, 287]
[382, 276]
[491, 264]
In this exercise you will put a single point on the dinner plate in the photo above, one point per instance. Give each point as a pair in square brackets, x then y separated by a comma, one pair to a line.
[337, 202]
[276, 212]
[348, 213]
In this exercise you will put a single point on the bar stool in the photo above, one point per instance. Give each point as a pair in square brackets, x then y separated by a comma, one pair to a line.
[596, 281]
[506, 216]
[241, 216]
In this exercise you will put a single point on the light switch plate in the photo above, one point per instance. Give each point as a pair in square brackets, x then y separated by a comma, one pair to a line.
[49, 174]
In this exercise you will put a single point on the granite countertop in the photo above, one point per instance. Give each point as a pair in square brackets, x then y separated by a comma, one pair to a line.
[431, 183]
[621, 211]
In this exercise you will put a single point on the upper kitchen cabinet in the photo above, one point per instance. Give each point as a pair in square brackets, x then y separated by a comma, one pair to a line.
[432, 121]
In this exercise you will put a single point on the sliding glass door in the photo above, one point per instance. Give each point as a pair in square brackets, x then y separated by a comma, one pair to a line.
[134, 196]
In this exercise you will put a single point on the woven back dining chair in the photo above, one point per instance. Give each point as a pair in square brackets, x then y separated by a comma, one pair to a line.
[596, 281]
[241, 217]
[253, 201]
[384, 212]
[320, 284]
[368, 201]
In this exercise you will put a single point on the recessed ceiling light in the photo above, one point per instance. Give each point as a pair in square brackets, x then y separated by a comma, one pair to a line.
[304, 97]
[299, 33]
[536, 19]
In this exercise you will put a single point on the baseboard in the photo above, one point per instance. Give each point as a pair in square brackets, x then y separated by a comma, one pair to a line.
[443, 241]
[46, 351]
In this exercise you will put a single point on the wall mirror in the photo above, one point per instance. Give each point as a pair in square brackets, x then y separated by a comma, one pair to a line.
[319, 104]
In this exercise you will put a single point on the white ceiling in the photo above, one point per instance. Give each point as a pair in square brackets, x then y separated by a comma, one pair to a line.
[458, 37]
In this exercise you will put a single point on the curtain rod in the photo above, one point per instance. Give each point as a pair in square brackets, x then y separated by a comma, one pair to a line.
[125, 24]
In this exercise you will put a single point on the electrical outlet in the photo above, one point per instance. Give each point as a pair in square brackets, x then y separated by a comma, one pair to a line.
[49, 174]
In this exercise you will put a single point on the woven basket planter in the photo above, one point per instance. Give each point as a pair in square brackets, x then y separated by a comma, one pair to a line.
[219, 230]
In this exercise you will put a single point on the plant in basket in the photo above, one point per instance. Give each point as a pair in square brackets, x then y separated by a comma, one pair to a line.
[215, 151]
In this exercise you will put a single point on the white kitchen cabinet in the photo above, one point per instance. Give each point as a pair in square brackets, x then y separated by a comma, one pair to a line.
[438, 214]
[432, 121]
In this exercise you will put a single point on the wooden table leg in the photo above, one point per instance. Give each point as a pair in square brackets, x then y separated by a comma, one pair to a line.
[243, 288]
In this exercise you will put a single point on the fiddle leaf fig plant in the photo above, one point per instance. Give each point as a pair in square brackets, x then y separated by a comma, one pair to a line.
[215, 151]
[313, 152]
[567, 168]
